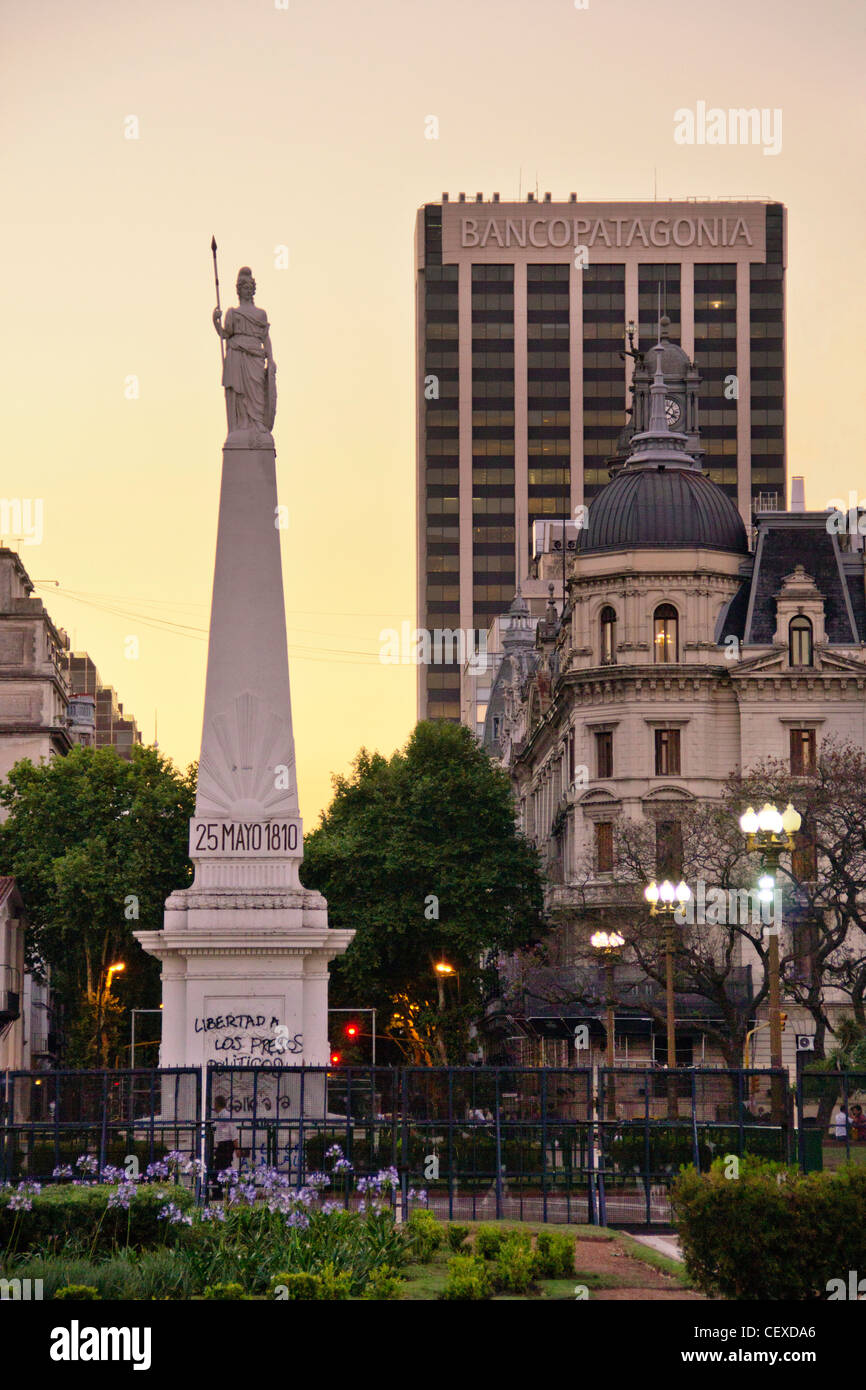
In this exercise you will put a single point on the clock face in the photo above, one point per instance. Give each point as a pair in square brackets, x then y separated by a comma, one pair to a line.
[672, 411]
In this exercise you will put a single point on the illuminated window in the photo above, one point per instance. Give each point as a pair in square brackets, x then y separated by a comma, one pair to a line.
[666, 642]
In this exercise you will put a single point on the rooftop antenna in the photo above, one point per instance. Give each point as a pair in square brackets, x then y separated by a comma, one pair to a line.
[156, 728]
[659, 315]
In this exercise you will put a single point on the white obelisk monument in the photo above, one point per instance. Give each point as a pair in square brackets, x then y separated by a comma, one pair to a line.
[245, 949]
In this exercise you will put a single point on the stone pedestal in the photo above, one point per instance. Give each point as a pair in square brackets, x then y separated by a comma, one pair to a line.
[245, 949]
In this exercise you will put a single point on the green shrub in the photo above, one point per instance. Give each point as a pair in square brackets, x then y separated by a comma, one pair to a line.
[468, 1279]
[132, 1274]
[382, 1285]
[81, 1214]
[425, 1234]
[770, 1233]
[298, 1285]
[224, 1291]
[457, 1237]
[514, 1266]
[80, 1292]
[554, 1255]
[334, 1285]
[488, 1240]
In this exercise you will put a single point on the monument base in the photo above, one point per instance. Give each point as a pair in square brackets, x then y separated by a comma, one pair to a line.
[245, 977]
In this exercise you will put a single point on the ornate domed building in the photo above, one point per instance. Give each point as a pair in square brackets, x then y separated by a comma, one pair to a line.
[687, 650]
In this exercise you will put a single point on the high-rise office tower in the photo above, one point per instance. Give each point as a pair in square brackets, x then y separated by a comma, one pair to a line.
[525, 373]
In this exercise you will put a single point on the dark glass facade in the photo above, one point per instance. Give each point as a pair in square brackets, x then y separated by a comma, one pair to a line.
[716, 359]
[767, 361]
[492, 441]
[603, 371]
[440, 481]
[548, 393]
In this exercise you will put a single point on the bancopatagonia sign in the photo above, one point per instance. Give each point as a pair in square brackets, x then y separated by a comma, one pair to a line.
[604, 231]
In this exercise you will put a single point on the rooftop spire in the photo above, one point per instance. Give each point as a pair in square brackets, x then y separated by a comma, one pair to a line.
[659, 446]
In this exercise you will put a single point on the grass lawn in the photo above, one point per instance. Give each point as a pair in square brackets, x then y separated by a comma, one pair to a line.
[609, 1264]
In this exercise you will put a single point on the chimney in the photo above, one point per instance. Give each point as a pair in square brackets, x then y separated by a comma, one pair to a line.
[798, 495]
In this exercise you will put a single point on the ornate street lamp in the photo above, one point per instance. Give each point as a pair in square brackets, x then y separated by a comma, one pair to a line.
[665, 900]
[770, 833]
[609, 945]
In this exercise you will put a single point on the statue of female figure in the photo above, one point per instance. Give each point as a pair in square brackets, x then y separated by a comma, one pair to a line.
[249, 371]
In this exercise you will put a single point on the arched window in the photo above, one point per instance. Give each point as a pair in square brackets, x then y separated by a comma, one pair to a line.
[608, 636]
[800, 642]
[666, 638]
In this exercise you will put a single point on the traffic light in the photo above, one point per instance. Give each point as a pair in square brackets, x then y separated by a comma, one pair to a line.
[783, 1019]
[352, 1030]
[336, 1059]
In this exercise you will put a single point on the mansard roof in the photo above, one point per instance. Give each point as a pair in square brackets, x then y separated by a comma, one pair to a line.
[784, 542]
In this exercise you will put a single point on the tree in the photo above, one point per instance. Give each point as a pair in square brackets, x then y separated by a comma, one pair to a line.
[96, 844]
[419, 854]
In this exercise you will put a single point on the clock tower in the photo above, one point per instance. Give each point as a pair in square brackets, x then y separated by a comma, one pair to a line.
[682, 383]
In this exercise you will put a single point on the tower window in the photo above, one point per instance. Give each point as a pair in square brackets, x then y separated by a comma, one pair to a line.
[666, 639]
[604, 754]
[608, 636]
[604, 846]
[800, 642]
[802, 752]
[667, 752]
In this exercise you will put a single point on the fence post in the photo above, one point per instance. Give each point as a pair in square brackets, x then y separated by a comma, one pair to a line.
[498, 1158]
[450, 1144]
[103, 1126]
[695, 1146]
[544, 1147]
[646, 1149]
[301, 1113]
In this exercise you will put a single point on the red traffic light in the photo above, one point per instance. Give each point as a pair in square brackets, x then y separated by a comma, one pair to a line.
[352, 1030]
[335, 1059]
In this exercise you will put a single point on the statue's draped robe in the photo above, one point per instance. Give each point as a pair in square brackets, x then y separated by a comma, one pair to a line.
[249, 383]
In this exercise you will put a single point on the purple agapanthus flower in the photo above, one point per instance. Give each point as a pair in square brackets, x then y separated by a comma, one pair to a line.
[122, 1197]
[174, 1216]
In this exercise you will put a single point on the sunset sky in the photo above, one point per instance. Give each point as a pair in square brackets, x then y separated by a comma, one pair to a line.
[305, 126]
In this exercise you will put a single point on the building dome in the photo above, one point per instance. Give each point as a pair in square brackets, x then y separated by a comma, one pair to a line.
[666, 505]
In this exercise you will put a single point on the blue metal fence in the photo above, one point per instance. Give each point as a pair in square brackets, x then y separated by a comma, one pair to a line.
[544, 1144]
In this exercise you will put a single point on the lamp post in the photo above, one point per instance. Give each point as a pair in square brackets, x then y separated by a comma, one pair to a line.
[609, 944]
[102, 995]
[444, 971]
[770, 833]
[665, 901]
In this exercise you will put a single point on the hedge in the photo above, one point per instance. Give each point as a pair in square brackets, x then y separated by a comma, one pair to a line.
[82, 1213]
[771, 1232]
